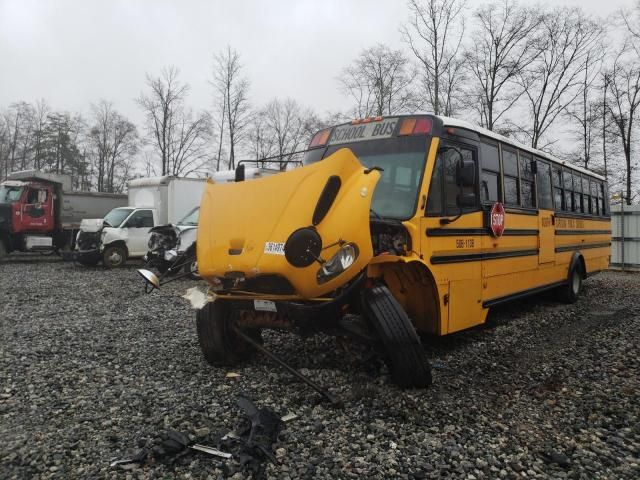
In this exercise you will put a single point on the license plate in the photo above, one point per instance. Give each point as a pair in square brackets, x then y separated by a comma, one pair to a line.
[265, 306]
[274, 248]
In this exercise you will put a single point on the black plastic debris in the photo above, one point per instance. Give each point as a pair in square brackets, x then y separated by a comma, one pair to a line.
[169, 448]
[250, 443]
[252, 440]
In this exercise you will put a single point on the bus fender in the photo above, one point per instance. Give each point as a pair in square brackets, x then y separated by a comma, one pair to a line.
[577, 260]
[413, 286]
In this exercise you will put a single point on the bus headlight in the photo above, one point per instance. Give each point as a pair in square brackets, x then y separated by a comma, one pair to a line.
[343, 259]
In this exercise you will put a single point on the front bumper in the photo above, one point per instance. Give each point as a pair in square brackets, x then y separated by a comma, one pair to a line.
[313, 315]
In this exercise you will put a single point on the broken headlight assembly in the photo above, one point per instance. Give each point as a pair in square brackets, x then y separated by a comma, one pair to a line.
[343, 259]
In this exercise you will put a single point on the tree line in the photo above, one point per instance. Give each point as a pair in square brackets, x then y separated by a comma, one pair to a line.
[554, 78]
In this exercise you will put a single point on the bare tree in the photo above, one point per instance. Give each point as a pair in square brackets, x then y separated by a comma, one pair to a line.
[434, 33]
[631, 19]
[585, 111]
[288, 125]
[624, 106]
[115, 142]
[554, 80]
[18, 118]
[4, 146]
[233, 90]
[500, 49]
[41, 114]
[179, 136]
[260, 140]
[379, 82]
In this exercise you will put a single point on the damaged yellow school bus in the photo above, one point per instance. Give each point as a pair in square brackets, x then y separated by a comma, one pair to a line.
[395, 228]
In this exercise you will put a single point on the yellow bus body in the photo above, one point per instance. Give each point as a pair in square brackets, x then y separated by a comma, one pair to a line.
[448, 281]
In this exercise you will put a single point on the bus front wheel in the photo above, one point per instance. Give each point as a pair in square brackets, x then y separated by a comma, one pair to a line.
[220, 344]
[404, 354]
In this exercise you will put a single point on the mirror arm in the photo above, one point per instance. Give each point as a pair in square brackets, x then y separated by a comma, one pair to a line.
[446, 221]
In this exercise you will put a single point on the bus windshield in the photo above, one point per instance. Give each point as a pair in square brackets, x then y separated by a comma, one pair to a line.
[402, 159]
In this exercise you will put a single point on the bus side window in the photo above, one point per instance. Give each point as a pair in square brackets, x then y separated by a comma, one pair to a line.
[490, 177]
[556, 174]
[545, 199]
[577, 187]
[510, 170]
[568, 189]
[594, 198]
[586, 206]
[603, 200]
[527, 180]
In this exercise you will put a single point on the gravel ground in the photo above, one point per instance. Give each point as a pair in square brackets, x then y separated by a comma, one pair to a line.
[92, 368]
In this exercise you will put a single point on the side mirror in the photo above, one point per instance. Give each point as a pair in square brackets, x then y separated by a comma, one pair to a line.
[466, 173]
[150, 279]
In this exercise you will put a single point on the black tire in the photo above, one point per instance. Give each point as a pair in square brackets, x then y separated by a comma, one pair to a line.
[405, 356]
[220, 345]
[570, 291]
[3, 249]
[114, 256]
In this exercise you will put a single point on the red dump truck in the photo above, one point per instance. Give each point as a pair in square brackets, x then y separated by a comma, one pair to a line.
[40, 212]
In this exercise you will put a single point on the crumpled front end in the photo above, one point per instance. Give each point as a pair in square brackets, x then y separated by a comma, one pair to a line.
[303, 232]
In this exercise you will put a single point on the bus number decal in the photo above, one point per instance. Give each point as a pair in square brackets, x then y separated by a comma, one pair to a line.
[465, 243]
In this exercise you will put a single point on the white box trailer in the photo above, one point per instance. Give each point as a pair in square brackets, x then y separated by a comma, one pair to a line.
[172, 197]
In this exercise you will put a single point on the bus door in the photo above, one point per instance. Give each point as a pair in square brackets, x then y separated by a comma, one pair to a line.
[546, 219]
[452, 238]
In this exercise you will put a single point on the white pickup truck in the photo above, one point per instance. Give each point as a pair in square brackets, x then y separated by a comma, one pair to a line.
[124, 232]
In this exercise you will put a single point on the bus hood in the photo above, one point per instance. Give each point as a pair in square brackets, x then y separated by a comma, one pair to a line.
[244, 226]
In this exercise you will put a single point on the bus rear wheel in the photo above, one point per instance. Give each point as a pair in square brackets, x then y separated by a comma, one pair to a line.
[220, 344]
[570, 291]
[404, 354]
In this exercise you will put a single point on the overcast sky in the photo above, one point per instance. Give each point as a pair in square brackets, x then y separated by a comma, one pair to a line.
[74, 52]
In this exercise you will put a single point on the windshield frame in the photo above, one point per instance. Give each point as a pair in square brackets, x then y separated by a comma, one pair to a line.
[129, 211]
[425, 140]
[191, 212]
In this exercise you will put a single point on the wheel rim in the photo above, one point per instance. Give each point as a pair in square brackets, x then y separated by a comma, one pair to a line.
[115, 258]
